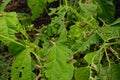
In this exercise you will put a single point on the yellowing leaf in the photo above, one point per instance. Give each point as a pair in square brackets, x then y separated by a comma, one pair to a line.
[56, 66]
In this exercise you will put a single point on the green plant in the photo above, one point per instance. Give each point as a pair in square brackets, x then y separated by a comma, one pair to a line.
[72, 47]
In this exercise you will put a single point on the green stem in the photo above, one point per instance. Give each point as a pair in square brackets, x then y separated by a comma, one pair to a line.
[107, 57]
[37, 57]
[111, 43]
[60, 2]
[9, 39]
[66, 2]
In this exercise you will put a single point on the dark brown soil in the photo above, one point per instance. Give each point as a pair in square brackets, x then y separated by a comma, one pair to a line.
[117, 5]
[21, 6]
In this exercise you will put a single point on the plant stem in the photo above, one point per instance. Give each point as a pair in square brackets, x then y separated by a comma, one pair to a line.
[66, 2]
[112, 43]
[107, 57]
[9, 39]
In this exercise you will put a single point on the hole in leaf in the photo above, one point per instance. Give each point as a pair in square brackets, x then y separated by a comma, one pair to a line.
[9, 70]
[36, 71]
[100, 23]
[20, 74]
[94, 72]
[40, 43]
[33, 56]
[22, 67]
[16, 67]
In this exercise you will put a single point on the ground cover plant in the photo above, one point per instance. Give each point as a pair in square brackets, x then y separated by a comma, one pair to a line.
[82, 41]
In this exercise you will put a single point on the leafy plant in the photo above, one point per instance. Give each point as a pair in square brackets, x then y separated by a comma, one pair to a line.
[37, 7]
[78, 44]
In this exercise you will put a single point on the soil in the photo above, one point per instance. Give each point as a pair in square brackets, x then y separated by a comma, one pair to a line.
[117, 5]
[21, 7]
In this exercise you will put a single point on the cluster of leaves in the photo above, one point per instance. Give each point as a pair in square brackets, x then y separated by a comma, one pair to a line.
[81, 42]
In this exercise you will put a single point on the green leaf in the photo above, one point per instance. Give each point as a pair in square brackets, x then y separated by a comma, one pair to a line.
[116, 23]
[56, 65]
[106, 10]
[103, 73]
[25, 20]
[21, 68]
[50, 1]
[95, 57]
[63, 34]
[37, 7]
[114, 71]
[75, 31]
[108, 32]
[110, 73]
[3, 5]
[8, 27]
[90, 57]
[82, 73]
[90, 8]
[94, 39]
[15, 49]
